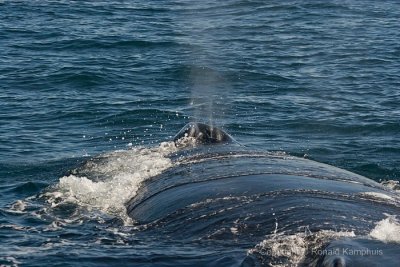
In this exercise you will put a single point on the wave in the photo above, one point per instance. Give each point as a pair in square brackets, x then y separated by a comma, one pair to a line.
[106, 182]
[90, 44]
[280, 250]
[387, 230]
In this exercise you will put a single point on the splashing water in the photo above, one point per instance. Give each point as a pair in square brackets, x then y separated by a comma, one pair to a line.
[387, 230]
[290, 250]
[119, 175]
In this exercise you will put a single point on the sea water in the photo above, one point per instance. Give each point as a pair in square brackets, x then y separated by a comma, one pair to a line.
[115, 80]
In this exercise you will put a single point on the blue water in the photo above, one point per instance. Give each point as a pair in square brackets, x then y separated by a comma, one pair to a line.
[318, 79]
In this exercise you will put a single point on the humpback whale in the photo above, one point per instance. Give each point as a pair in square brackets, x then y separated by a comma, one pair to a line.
[276, 209]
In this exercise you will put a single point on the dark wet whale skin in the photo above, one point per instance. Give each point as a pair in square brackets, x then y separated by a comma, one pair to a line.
[204, 134]
[219, 187]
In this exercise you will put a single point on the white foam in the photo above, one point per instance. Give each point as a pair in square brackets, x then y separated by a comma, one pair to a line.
[9, 261]
[18, 207]
[392, 184]
[377, 195]
[290, 250]
[387, 230]
[186, 141]
[123, 171]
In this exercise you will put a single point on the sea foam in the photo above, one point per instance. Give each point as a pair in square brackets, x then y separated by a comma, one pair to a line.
[124, 171]
[387, 230]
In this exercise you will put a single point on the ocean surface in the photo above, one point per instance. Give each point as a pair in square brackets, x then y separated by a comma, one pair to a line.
[79, 79]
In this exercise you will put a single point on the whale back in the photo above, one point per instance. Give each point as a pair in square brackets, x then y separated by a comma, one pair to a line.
[227, 192]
